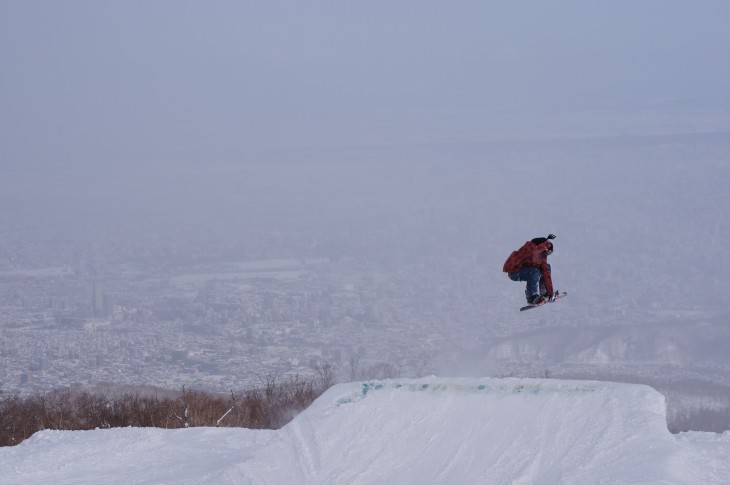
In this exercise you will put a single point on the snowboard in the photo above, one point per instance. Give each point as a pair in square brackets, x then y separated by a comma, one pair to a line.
[558, 295]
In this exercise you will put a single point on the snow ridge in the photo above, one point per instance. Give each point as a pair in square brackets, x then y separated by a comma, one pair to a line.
[429, 430]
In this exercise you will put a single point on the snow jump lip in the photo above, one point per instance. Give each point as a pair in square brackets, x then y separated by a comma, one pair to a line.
[500, 386]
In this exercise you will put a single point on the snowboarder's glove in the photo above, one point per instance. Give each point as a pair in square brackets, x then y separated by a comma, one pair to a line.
[550, 297]
[551, 236]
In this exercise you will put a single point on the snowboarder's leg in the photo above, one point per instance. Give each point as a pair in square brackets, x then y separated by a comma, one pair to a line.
[531, 275]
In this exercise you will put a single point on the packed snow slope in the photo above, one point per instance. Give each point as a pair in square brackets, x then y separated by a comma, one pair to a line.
[403, 431]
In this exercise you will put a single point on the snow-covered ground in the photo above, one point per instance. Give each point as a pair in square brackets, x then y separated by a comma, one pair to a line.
[402, 431]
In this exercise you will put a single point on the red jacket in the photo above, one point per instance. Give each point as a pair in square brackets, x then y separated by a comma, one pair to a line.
[532, 253]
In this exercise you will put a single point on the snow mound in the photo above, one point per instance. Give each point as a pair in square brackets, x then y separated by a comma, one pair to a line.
[429, 430]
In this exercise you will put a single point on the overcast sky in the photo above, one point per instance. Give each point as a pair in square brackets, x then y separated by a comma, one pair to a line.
[126, 81]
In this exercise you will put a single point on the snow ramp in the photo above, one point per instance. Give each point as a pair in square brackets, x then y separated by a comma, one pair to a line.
[483, 431]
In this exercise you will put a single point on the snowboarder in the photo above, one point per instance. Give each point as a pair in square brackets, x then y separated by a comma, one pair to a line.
[529, 263]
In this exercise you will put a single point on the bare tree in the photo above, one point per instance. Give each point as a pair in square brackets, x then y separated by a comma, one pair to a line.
[234, 402]
[326, 374]
[185, 418]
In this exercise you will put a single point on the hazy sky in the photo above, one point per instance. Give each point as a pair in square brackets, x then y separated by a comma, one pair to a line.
[141, 81]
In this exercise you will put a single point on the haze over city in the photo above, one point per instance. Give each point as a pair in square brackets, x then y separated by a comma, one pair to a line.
[204, 194]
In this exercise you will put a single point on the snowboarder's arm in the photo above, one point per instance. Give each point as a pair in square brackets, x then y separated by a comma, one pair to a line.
[547, 278]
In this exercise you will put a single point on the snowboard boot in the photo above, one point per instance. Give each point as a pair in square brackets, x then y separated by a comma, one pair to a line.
[535, 299]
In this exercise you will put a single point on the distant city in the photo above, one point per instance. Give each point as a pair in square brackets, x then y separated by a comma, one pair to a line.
[222, 325]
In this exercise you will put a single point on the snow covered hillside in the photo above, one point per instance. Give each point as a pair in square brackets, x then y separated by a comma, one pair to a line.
[429, 430]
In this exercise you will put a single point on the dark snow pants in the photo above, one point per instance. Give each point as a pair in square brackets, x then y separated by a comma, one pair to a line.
[532, 276]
